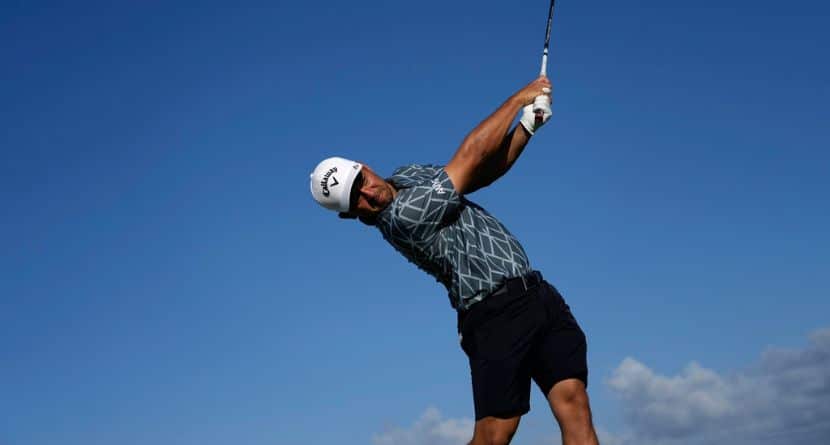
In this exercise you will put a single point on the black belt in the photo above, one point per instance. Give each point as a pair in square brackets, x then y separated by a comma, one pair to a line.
[518, 285]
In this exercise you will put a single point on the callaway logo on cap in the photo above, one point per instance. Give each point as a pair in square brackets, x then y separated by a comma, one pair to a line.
[331, 182]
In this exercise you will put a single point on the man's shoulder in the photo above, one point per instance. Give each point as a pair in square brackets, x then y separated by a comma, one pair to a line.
[425, 196]
[415, 174]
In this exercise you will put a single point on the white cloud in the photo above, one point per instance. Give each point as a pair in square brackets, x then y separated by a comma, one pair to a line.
[785, 398]
[608, 438]
[782, 399]
[429, 429]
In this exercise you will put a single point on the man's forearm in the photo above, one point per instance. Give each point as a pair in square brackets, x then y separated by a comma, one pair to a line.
[486, 149]
[488, 137]
[500, 162]
[518, 141]
[489, 150]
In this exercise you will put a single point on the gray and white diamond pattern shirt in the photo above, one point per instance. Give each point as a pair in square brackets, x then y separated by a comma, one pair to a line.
[456, 241]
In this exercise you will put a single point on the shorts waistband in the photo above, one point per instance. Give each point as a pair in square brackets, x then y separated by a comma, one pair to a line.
[518, 285]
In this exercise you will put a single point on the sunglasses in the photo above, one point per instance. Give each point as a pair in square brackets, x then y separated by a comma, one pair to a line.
[354, 193]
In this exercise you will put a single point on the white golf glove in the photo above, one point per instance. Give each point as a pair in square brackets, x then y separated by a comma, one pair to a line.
[536, 114]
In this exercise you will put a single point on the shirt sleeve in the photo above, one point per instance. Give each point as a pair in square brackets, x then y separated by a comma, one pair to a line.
[420, 211]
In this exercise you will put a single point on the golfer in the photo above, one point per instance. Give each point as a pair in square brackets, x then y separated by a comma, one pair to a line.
[513, 325]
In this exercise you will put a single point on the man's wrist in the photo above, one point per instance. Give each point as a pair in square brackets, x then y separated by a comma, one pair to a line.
[516, 101]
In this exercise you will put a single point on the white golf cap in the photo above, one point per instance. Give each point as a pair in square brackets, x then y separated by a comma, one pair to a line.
[331, 182]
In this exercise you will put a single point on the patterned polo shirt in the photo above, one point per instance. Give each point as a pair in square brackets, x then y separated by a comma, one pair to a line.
[456, 241]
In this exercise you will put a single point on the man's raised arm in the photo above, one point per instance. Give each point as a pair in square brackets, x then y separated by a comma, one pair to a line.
[490, 150]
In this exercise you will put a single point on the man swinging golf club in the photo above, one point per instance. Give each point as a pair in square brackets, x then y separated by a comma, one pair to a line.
[513, 325]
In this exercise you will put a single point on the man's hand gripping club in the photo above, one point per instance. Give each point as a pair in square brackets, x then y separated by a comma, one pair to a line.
[535, 114]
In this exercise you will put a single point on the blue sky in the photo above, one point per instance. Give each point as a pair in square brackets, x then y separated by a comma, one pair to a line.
[167, 278]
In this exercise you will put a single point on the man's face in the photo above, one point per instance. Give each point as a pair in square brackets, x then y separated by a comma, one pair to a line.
[370, 194]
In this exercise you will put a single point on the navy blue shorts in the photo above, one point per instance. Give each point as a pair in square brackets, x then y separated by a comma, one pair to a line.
[521, 332]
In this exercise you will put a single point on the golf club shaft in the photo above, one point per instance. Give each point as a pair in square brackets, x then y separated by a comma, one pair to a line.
[543, 102]
[544, 71]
